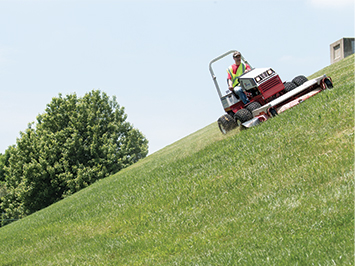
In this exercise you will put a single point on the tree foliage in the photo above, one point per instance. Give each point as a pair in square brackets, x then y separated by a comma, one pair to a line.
[4, 162]
[75, 142]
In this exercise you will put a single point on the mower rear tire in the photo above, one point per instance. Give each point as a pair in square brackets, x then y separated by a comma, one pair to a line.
[242, 116]
[226, 123]
[289, 86]
[299, 80]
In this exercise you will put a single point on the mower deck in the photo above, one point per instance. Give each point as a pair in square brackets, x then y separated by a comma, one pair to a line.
[286, 101]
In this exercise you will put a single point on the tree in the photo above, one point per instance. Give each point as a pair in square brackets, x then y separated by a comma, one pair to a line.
[75, 142]
[2, 179]
[4, 162]
[2, 166]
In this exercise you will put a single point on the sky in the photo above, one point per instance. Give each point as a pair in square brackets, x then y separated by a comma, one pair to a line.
[153, 55]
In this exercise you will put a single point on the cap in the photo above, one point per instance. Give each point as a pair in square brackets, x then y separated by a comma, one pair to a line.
[235, 54]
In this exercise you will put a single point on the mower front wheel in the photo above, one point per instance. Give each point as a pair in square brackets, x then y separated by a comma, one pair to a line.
[226, 123]
[253, 106]
[299, 80]
[289, 86]
[242, 116]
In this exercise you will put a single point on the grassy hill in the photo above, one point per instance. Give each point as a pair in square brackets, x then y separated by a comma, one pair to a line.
[281, 193]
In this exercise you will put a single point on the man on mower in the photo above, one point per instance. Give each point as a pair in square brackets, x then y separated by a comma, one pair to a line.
[234, 71]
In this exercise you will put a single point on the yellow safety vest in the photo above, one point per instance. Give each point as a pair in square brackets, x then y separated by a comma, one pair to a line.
[235, 76]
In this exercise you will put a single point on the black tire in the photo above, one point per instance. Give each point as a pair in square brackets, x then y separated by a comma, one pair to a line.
[289, 86]
[242, 116]
[226, 123]
[253, 106]
[328, 83]
[299, 80]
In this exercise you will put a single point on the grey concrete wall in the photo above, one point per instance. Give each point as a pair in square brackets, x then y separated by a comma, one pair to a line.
[341, 49]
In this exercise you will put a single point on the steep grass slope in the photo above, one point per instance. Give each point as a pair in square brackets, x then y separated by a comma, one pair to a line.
[281, 193]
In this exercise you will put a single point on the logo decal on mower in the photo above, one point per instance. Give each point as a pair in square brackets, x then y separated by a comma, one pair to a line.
[247, 84]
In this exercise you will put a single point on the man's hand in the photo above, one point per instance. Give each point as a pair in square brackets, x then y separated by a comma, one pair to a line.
[231, 88]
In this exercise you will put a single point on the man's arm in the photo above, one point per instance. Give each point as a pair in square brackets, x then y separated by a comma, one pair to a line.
[230, 84]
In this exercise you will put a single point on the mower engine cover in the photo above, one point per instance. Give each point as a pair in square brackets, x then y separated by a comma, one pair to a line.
[265, 80]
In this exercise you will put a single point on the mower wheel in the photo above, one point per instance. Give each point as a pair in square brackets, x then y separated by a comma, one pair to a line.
[253, 106]
[242, 116]
[327, 83]
[289, 86]
[226, 123]
[299, 80]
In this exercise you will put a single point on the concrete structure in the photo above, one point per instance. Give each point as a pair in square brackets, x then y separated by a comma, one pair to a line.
[341, 49]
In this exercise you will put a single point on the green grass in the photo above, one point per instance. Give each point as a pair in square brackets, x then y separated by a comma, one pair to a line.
[281, 193]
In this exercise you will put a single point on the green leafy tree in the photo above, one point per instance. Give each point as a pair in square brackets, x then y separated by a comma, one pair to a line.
[4, 162]
[75, 142]
[2, 165]
[2, 183]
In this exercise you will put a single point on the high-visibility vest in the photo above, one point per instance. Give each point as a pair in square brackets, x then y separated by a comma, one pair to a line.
[235, 76]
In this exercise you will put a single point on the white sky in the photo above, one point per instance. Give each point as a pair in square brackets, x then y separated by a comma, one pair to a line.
[154, 55]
